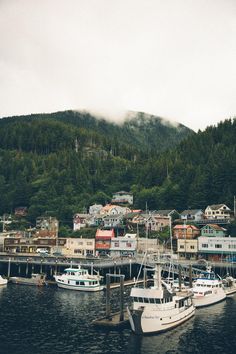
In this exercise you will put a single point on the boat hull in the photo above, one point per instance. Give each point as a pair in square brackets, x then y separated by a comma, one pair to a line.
[204, 301]
[230, 290]
[26, 281]
[147, 322]
[80, 288]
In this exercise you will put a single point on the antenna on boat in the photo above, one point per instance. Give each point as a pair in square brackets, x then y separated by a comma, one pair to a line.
[170, 227]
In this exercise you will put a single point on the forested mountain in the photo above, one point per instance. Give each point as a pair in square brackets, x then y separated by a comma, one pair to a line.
[59, 164]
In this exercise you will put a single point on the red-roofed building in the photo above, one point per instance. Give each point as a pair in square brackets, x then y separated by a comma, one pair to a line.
[103, 240]
[185, 232]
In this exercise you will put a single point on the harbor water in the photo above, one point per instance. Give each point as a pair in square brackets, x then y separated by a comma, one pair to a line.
[50, 320]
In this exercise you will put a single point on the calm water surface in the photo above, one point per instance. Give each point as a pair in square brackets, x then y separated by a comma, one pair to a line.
[52, 320]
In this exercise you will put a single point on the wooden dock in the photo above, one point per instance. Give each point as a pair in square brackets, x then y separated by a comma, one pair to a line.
[113, 321]
[126, 283]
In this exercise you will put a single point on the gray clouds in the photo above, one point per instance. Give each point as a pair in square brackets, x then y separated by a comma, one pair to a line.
[172, 58]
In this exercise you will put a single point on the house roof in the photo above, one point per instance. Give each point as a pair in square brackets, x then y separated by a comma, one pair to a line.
[215, 227]
[191, 211]
[179, 227]
[216, 206]
[165, 211]
[106, 234]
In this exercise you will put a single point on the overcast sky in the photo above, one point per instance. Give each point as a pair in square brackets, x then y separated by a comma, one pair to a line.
[172, 58]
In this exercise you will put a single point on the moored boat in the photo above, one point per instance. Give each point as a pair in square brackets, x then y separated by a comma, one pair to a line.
[208, 289]
[229, 285]
[79, 279]
[3, 281]
[36, 279]
[157, 309]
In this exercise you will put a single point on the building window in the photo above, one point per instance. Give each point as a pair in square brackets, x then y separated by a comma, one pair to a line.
[204, 245]
[218, 245]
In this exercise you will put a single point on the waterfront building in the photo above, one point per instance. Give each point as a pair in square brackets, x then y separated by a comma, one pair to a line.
[149, 245]
[79, 246]
[20, 242]
[103, 241]
[217, 248]
[187, 248]
[124, 245]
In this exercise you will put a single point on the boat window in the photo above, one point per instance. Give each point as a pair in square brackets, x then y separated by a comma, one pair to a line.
[77, 282]
[82, 283]
[146, 300]
[152, 301]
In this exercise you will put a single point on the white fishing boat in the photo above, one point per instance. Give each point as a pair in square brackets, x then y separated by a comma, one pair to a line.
[35, 279]
[229, 285]
[79, 279]
[157, 309]
[208, 289]
[3, 281]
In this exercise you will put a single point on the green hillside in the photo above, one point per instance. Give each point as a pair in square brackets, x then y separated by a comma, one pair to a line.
[59, 164]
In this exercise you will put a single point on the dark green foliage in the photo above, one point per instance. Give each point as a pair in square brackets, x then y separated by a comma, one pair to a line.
[59, 164]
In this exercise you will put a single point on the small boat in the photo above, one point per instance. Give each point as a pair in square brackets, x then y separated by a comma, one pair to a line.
[3, 281]
[36, 279]
[208, 289]
[157, 309]
[229, 285]
[79, 279]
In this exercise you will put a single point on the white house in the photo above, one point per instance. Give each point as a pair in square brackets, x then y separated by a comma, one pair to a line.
[217, 211]
[79, 221]
[95, 209]
[194, 214]
[112, 220]
[110, 209]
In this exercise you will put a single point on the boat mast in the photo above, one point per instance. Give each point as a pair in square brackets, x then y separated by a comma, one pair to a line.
[157, 275]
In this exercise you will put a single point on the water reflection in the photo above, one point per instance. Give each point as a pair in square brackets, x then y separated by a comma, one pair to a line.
[51, 320]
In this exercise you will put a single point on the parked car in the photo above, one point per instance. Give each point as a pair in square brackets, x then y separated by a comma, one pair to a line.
[42, 251]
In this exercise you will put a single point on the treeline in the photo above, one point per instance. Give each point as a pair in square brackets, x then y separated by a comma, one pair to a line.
[59, 164]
